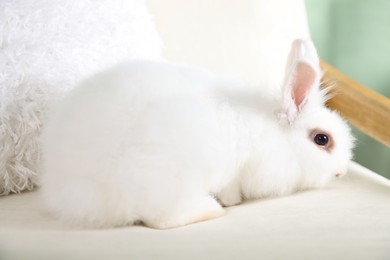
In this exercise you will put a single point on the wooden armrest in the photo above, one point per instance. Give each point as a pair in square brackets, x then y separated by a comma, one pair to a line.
[365, 109]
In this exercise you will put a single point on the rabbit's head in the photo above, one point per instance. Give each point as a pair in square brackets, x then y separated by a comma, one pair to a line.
[320, 139]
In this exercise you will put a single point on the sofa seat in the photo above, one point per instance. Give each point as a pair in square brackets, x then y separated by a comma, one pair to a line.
[350, 219]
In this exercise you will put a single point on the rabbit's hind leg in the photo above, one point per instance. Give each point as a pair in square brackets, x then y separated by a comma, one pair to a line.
[185, 212]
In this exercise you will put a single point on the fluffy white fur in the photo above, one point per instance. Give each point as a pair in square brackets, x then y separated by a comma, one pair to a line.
[168, 145]
[46, 47]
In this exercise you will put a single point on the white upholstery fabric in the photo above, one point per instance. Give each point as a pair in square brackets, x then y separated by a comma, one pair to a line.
[248, 39]
[348, 220]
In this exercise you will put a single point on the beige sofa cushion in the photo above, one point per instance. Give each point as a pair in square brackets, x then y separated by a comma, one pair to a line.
[348, 220]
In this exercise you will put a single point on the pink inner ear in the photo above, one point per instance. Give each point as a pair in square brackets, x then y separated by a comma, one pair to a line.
[304, 79]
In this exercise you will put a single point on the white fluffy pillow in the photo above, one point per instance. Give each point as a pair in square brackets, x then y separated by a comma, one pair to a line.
[46, 47]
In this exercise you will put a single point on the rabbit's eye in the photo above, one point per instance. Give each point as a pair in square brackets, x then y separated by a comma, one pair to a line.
[321, 139]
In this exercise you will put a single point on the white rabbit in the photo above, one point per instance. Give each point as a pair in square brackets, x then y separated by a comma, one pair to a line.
[168, 145]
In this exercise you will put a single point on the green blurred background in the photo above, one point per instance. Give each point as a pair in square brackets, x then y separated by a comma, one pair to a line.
[354, 36]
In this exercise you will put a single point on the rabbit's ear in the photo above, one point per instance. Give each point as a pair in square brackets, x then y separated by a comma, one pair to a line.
[302, 49]
[302, 76]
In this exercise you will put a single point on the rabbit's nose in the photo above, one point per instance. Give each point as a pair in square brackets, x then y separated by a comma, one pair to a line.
[338, 175]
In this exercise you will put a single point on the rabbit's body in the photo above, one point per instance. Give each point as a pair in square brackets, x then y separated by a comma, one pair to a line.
[168, 145]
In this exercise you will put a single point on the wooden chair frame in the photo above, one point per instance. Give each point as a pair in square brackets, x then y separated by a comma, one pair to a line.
[365, 109]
